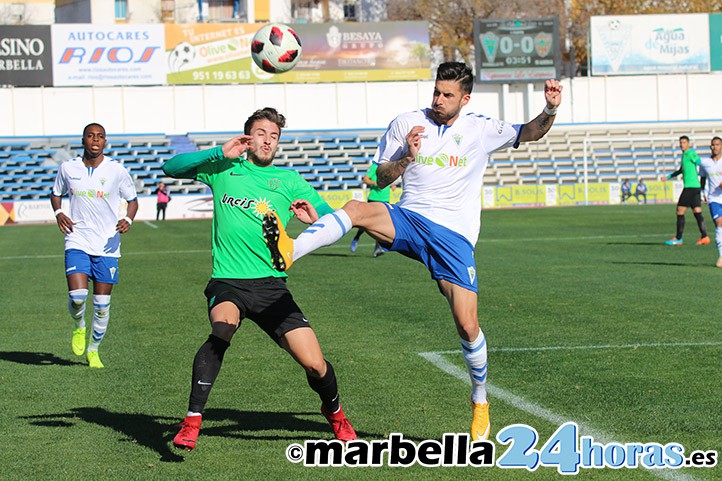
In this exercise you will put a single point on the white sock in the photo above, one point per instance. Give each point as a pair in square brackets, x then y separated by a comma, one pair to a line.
[325, 231]
[718, 239]
[76, 306]
[101, 315]
[193, 413]
[475, 358]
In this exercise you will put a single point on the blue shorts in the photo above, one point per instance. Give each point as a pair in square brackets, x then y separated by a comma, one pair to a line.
[448, 256]
[716, 210]
[99, 268]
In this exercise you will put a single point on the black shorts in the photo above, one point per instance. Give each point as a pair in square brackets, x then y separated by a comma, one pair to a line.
[690, 197]
[267, 302]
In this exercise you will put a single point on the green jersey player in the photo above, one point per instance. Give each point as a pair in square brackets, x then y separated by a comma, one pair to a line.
[690, 196]
[244, 282]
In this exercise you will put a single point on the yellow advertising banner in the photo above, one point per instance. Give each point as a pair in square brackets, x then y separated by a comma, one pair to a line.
[331, 52]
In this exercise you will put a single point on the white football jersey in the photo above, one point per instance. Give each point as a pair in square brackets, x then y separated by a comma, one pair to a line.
[95, 195]
[712, 169]
[444, 182]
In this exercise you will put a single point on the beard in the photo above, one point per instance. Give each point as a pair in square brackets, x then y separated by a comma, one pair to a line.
[442, 117]
[261, 161]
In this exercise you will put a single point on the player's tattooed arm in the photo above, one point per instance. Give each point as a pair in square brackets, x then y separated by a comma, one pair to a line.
[388, 172]
[537, 128]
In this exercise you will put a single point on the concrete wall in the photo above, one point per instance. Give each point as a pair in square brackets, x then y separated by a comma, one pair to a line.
[181, 109]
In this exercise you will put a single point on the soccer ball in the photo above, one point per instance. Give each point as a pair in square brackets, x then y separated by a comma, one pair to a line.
[276, 48]
[181, 56]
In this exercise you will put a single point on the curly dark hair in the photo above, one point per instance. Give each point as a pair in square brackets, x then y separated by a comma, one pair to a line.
[266, 113]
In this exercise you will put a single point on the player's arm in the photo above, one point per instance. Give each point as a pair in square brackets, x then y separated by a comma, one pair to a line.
[537, 128]
[185, 166]
[124, 224]
[388, 172]
[65, 224]
[674, 174]
[702, 184]
[367, 180]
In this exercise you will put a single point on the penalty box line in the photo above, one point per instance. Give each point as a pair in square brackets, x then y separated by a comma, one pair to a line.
[438, 360]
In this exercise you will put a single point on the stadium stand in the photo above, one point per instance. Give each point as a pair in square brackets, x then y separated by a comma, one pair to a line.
[338, 160]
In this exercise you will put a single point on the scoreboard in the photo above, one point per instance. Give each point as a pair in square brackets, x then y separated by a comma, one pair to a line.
[516, 50]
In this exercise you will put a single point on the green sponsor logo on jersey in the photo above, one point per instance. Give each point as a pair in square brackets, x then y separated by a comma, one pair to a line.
[442, 160]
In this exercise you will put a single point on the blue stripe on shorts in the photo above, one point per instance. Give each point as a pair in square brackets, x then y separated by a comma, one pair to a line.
[448, 255]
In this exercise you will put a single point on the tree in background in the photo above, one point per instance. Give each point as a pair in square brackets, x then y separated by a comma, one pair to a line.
[451, 22]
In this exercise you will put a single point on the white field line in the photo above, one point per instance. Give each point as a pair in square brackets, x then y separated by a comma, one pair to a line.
[150, 224]
[587, 348]
[437, 359]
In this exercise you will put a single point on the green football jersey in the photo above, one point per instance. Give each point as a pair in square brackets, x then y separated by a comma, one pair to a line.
[690, 176]
[376, 194]
[242, 193]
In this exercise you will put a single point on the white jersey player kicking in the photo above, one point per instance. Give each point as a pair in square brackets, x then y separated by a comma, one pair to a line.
[95, 185]
[441, 155]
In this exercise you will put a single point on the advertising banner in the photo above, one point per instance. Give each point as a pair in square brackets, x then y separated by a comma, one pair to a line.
[86, 54]
[650, 44]
[715, 41]
[516, 50]
[25, 56]
[359, 52]
[332, 52]
[211, 54]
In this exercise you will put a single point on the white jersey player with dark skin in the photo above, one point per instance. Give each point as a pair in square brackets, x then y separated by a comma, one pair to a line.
[711, 173]
[95, 185]
[441, 155]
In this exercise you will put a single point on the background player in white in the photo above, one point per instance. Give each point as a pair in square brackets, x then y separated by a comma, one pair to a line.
[442, 155]
[95, 184]
[711, 172]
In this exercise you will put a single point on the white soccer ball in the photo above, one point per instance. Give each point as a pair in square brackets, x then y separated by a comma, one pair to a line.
[276, 48]
[181, 56]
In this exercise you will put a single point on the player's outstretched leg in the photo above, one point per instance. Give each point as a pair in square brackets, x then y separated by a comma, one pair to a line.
[342, 429]
[280, 245]
[475, 357]
[188, 434]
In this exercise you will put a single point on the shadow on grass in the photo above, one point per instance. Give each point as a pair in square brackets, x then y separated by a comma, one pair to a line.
[675, 264]
[36, 358]
[156, 432]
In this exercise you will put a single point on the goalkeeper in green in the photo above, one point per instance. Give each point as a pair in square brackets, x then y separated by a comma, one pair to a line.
[690, 196]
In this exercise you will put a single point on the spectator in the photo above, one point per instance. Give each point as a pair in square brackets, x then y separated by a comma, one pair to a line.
[626, 190]
[162, 200]
[641, 191]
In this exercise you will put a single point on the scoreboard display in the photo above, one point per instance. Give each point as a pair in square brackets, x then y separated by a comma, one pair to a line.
[516, 50]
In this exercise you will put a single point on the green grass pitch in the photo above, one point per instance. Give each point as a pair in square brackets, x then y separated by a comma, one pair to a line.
[587, 313]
